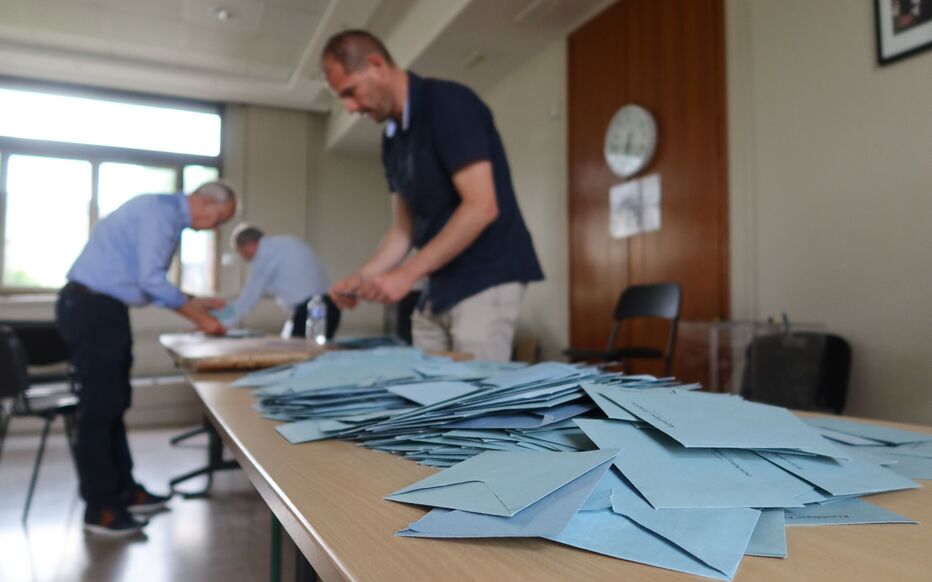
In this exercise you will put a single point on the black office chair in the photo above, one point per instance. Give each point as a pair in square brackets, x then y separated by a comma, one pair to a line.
[660, 300]
[18, 397]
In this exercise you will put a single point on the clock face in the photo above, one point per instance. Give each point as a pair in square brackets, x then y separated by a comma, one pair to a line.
[630, 140]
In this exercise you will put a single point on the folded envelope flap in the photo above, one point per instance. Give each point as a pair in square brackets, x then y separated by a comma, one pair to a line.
[718, 537]
[472, 496]
[548, 516]
[514, 479]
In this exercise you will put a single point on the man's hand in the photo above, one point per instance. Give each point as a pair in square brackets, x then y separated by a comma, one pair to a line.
[389, 287]
[345, 291]
[210, 326]
[195, 310]
[208, 303]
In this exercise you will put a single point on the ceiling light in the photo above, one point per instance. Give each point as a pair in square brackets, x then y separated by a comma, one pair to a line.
[223, 14]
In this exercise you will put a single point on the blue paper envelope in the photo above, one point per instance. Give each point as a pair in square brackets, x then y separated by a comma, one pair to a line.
[605, 532]
[703, 420]
[769, 538]
[226, 313]
[532, 374]
[599, 394]
[716, 536]
[838, 477]
[545, 517]
[427, 393]
[671, 476]
[501, 483]
[912, 466]
[847, 512]
[893, 436]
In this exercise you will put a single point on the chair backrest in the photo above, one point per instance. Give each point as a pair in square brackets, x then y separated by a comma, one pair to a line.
[14, 379]
[655, 300]
[661, 300]
[41, 341]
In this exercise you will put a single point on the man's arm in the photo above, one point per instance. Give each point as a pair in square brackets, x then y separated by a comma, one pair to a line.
[156, 246]
[260, 273]
[393, 248]
[204, 321]
[478, 208]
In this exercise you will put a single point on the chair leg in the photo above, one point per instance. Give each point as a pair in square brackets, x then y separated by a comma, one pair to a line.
[186, 435]
[4, 424]
[35, 469]
[70, 428]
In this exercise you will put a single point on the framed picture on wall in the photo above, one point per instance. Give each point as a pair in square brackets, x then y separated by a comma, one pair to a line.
[904, 28]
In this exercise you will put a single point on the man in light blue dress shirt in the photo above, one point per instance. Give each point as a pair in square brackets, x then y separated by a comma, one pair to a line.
[125, 264]
[285, 267]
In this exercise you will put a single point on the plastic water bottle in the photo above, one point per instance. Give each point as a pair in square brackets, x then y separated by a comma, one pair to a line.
[315, 329]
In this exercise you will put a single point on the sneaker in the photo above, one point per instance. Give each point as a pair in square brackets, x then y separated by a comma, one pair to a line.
[141, 501]
[111, 522]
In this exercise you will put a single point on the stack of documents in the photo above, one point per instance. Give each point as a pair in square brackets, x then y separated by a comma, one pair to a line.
[634, 467]
[431, 409]
[698, 481]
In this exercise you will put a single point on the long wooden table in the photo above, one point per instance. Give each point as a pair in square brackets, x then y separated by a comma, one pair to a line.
[328, 497]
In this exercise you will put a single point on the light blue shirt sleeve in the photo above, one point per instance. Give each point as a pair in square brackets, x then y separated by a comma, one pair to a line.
[158, 240]
[256, 283]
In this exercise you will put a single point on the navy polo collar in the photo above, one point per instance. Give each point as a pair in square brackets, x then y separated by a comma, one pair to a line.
[412, 100]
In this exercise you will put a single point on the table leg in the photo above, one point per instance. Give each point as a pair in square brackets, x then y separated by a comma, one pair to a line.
[275, 575]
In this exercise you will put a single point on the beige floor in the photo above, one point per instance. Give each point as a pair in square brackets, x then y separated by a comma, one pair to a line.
[225, 537]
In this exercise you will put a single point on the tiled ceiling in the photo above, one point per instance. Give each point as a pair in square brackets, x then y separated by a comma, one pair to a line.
[206, 47]
[266, 51]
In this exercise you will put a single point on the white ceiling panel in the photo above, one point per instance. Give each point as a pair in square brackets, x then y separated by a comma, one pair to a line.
[243, 17]
[168, 9]
[268, 51]
[12, 13]
[308, 5]
[163, 36]
[77, 18]
[288, 24]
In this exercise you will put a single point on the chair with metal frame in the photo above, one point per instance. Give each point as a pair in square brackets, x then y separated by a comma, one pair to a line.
[19, 397]
[659, 300]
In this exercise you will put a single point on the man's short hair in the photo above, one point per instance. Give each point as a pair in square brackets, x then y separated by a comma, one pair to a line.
[350, 48]
[244, 234]
[217, 190]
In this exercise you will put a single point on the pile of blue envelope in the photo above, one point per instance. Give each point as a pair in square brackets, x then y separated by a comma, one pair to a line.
[633, 467]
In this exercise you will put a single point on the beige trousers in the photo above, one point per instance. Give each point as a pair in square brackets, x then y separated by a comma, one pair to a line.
[482, 325]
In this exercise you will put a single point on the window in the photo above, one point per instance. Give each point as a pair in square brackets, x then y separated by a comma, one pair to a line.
[67, 161]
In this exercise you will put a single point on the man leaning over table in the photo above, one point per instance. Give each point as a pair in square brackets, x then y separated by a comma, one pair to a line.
[125, 264]
[285, 267]
[452, 199]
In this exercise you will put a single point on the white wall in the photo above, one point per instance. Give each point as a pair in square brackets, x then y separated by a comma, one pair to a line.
[831, 190]
[291, 185]
[530, 112]
[349, 209]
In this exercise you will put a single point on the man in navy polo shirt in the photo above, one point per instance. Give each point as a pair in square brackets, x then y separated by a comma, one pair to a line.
[452, 199]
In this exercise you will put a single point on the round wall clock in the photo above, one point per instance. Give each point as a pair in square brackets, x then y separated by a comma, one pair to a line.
[630, 140]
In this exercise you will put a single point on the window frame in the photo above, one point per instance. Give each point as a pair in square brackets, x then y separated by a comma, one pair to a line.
[97, 155]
